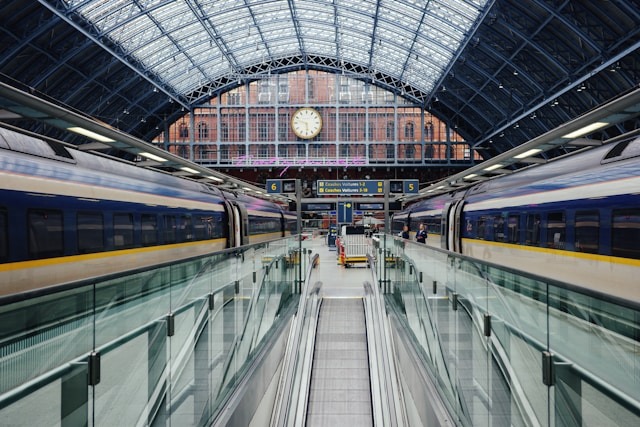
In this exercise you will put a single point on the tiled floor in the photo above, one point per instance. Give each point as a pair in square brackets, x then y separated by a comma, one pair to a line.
[337, 280]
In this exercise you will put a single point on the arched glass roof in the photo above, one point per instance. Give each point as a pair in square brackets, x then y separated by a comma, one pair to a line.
[501, 72]
[190, 44]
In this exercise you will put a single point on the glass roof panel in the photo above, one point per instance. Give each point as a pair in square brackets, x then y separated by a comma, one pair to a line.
[186, 42]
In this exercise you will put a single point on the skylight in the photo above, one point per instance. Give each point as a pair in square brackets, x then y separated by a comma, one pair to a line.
[187, 44]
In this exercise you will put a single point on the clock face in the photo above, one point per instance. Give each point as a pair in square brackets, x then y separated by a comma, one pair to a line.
[306, 123]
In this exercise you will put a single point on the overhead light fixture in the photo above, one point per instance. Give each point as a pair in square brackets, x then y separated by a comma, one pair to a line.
[215, 178]
[493, 167]
[528, 153]
[187, 169]
[585, 130]
[471, 176]
[152, 157]
[246, 189]
[90, 134]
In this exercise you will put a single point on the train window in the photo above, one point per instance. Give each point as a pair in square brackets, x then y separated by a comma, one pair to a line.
[184, 228]
[169, 229]
[4, 238]
[433, 225]
[202, 227]
[149, 230]
[587, 231]
[498, 228]
[259, 225]
[122, 231]
[533, 230]
[625, 233]
[90, 226]
[482, 228]
[45, 233]
[556, 228]
[513, 228]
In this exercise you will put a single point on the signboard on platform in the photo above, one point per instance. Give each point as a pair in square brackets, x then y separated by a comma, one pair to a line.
[350, 187]
[345, 212]
[281, 186]
[405, 186]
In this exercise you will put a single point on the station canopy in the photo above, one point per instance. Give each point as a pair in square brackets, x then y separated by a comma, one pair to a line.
[500, 72]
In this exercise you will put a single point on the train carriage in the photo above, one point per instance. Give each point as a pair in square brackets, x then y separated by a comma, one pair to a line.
[576, 220]
[66, 215]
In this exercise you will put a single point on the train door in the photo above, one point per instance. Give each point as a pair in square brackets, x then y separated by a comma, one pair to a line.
[238, 224]
[451, 238]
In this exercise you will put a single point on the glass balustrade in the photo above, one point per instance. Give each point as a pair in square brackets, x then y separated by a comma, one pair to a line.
[507, 348]
[160, 345]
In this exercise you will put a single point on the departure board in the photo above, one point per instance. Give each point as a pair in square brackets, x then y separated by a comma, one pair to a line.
[350, 187]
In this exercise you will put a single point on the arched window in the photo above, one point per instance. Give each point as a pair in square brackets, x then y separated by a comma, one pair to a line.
[203, 131]
[409, 151]
[428, 131]
[409, 131]
[183, 130]
[391, 131]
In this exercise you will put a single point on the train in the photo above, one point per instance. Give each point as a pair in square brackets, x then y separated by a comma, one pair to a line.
[575, 219]
[68, 215]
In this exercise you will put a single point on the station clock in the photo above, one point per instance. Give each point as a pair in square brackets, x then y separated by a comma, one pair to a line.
[306, 123]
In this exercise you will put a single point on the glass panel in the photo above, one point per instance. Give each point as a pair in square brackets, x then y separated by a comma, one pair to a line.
[161, 335]
[500, 356]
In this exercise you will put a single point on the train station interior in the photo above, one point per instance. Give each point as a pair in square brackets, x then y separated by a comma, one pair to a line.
[319, 212]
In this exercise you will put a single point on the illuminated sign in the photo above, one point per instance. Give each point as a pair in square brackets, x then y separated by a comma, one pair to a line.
[405, 186]
[370, 206]
[318, 206]
[350, 187]
[281, 186]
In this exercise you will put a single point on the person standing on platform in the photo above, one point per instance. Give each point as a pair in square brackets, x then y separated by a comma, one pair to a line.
[421, 235]
[405, 232]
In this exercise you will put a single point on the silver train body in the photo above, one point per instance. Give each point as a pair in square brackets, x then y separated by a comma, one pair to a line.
[66, 215]
[575, 220]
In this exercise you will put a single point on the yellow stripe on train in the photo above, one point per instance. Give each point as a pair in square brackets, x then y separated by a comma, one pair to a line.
[99, 255]
[558, 252]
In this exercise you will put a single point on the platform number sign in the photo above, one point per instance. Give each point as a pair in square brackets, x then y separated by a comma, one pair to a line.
[410, 186]
[281, 186]
[274, 186]
[405, 186]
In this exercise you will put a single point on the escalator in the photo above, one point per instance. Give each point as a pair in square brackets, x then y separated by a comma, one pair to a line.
[340, 388]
